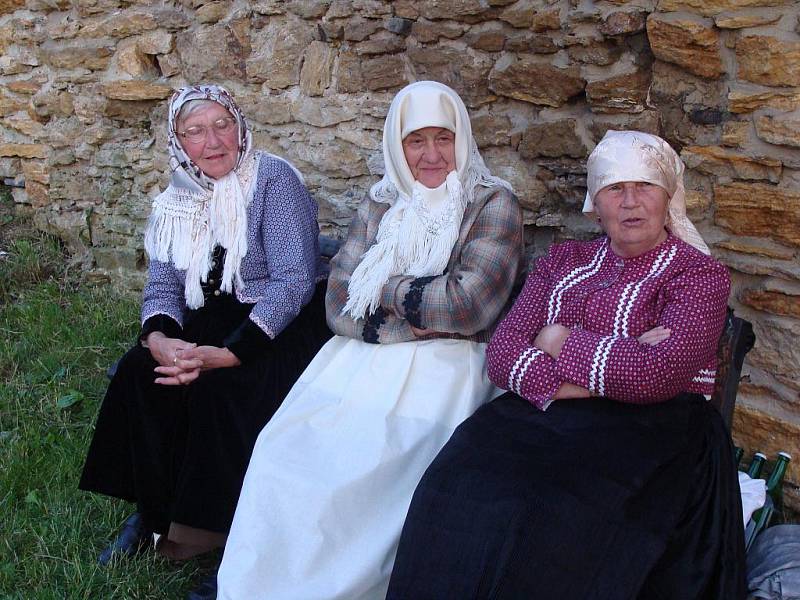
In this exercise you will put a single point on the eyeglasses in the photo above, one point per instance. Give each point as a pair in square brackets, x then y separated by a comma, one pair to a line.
[198, 133]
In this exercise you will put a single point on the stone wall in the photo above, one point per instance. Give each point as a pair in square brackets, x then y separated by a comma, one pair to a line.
[83, 85]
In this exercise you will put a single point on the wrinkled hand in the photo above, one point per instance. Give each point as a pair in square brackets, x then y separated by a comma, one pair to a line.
[570, 390]
[655, 336]
[423, 332]
[551, 338]
[165, 349]
[192, 361]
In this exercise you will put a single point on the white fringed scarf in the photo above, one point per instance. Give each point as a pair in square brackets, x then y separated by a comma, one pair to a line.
[636, 156]
[196, 213]
[417, 234]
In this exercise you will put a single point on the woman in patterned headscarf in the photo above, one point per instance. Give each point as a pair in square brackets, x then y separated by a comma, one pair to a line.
[234, 259]
[603, 472]
[414, 293]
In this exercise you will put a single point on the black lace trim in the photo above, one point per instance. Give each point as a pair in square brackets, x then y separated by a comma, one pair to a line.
[371, 325]
[413, 299]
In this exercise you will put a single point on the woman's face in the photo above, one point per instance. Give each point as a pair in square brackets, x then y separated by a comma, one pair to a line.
[431, 154]
[633, 215]
[217, 151]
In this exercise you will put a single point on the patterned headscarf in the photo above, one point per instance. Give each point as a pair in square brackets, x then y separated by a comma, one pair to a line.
[417, 234]
[181, 165]
[196, 212]
[637, 156]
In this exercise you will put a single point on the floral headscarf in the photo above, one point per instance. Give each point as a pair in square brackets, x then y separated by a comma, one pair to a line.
[196, 213]
[637, 156]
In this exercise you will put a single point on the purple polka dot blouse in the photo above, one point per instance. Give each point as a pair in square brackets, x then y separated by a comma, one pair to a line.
[608, 301]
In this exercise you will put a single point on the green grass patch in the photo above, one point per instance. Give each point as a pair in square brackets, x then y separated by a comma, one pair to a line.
[57, 338]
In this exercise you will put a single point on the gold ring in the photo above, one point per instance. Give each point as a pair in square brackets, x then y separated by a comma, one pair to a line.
[174, 361]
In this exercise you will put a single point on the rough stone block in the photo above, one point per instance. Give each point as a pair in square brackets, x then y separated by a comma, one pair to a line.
[213, 11]
[491, 130]
[451, 9]
[24, 150]
[777, 130]
[722, 162]
[277, 53]
[740, 21]
[768, 60]
[94, 56]
[754, 209]
[429, 31]
[119, 25]
[735, 133]
[536, 82]
[777, 303]
[623, 22]
[9, 6]
[36, 170]
[744, 101]
[322, 112]
[315, 75]
[464, 72]
[552, 139]
[156, 42]
[214, 52]
[136, 90]
[129, 59]
[690, 43]
[169, 64]
[714, 7]
[626, 92]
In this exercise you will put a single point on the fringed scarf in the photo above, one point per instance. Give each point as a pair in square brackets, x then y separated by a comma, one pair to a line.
[417, 234]
[196, 213]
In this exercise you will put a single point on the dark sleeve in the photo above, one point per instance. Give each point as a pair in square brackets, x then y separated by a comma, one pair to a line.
[247, 341]
[163, 323]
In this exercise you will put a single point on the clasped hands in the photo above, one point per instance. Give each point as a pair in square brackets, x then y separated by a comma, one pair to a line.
[181, 362]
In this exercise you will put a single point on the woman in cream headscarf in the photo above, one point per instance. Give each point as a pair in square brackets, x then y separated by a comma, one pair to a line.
[232, 313]
[603, 473]
[427, 266]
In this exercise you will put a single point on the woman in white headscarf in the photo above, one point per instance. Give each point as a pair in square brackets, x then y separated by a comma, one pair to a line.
[233, 311]
[427, 267]
[603, 472]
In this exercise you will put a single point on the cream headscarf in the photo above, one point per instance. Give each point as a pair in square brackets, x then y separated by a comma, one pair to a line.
[196, 213]
[417, 234]
[636, 156]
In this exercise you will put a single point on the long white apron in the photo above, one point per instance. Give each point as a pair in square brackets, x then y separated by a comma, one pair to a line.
[333, 472]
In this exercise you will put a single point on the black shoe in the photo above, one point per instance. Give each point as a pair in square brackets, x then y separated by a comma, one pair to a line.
[207, 590]
[133, 537]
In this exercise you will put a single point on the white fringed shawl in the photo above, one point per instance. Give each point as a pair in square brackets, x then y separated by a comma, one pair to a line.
[417, 234]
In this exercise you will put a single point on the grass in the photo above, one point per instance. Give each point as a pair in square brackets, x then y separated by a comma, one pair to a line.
[57, 337]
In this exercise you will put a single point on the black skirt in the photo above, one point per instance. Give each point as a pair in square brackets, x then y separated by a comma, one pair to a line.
[180, 453]
[592, 499]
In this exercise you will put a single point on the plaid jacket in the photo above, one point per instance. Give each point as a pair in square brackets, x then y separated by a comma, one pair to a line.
[465, 302]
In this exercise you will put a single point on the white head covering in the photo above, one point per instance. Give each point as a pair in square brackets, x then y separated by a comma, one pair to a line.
[637, 156]
[196, 213]
[417, 234]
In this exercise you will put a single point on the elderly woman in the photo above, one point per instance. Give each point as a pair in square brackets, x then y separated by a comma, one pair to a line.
[603, 472]
[428, 264]
[234, 259]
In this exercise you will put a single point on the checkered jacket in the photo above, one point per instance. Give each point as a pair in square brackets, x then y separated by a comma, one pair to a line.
[465, 302]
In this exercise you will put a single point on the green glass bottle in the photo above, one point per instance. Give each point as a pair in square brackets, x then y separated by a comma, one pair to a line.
[776, 477]
[755, 467]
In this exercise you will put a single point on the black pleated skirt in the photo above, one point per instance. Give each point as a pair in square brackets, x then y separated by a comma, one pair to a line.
[592, 499]
[180, 453]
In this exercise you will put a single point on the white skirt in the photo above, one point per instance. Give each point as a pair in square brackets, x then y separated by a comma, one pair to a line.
[333, 472]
